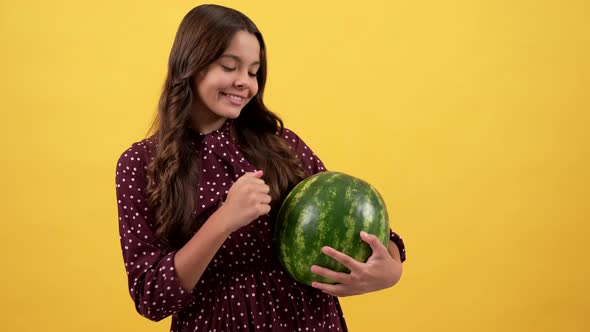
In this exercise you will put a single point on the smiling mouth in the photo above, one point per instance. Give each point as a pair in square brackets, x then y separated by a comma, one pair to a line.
[235, 98]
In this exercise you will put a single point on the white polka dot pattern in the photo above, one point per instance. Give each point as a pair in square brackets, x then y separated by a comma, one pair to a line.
[151, 275]
[244, 288]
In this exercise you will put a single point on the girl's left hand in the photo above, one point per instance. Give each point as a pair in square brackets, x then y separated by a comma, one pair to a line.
[379, 272]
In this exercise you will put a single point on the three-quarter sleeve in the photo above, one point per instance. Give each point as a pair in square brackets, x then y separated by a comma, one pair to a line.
[399, 242]
[152, 280]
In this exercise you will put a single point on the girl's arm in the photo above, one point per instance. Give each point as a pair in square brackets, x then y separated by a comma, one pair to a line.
[160, 281]
[247, 200]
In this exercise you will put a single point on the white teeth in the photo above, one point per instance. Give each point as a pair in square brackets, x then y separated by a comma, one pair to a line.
[236, 98]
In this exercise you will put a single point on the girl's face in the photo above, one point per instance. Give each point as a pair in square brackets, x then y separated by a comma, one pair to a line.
[228, 84]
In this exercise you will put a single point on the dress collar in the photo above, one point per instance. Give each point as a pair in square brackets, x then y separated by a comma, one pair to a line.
[222, 133]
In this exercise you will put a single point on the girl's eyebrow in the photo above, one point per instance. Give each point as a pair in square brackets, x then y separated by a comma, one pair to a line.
[238, 59]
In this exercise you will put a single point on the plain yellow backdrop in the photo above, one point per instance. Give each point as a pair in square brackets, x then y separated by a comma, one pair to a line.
[470, 117]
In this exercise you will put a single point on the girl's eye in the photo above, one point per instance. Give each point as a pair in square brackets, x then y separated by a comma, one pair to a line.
[228, 68]
[252, 74]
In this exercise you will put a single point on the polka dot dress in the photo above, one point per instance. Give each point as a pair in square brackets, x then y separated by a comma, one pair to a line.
[244, 288]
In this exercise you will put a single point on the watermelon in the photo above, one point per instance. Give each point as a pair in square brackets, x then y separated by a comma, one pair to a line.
[327, 209]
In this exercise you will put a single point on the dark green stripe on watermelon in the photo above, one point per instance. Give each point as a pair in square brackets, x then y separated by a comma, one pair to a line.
[328, 209]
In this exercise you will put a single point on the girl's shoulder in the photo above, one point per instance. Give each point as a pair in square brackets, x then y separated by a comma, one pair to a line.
[294, 141]
[290, 137]
[140, 153]
[309, 159]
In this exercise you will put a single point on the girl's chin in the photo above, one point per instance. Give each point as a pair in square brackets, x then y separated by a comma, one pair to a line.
[231, 113]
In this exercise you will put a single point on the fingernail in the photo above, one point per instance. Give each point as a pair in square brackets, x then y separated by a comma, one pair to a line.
[364, 234]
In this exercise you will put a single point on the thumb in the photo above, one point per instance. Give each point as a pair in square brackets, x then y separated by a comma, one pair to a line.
[257, 174]
[376, 245]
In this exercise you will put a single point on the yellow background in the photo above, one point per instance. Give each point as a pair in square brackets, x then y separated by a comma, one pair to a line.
[470, 117]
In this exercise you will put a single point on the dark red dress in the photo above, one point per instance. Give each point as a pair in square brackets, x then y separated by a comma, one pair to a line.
[244, 288]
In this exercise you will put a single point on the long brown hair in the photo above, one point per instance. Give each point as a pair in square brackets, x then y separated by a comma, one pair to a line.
[202, 37]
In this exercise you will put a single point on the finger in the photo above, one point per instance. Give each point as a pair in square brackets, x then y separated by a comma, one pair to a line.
[334, 290]
[258, 189]
[339, 277]
[257, 174]
[253, 175]
[264, 209]
[256, 198]
[264, 188]
[265, 199]
[343, 258]
[256, 184]
[253, 186]
[376, 245]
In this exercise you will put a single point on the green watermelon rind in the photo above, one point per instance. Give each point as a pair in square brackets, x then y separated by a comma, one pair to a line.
[303, 227]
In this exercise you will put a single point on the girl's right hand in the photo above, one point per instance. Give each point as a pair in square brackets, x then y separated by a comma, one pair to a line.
[247, 199]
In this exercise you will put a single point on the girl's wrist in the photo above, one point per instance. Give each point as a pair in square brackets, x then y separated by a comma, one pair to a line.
[221, 218]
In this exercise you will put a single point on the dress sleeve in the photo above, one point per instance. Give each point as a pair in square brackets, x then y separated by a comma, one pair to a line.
[152, 280]
[311, 162]
[395, 238]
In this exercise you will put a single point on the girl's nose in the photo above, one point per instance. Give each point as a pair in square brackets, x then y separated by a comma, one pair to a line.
[241, 80]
